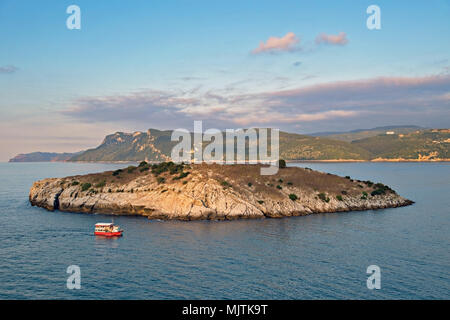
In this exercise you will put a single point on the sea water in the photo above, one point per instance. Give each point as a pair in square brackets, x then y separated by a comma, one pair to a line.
[321, 256]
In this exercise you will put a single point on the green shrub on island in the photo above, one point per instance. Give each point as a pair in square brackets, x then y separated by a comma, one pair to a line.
[289, 183]
[322, 196]
[157, 169]
[250, 184]
[339, 197]
[377, 192]
[293, 197]
[100, 184]
[381, 189]
[368, 183]
[182, 175]
[143, 164]
[131, 169]
[117, 172]
[161, 180]
[225, 184]
[176, 168]
[260, 201]
[75, 183]
[279, 187]
[85, 186]
[170, 166]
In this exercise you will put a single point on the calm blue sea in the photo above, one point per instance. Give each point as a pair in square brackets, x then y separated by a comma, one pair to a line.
[314, 257]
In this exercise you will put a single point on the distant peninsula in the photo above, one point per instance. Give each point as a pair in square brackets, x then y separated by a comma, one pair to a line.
[43, 157]
[406, 143]
[211, 191]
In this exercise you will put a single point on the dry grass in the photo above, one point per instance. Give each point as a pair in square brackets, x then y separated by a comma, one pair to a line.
[238, 177]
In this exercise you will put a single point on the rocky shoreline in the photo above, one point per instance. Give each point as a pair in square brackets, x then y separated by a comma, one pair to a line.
[212, 192]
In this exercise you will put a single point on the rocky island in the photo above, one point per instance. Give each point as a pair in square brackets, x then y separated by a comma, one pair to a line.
[211, 191]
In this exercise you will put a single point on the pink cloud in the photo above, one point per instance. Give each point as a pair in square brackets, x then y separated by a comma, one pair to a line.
[361, 102]
[276, 117]
[274, 44]
[340, 39]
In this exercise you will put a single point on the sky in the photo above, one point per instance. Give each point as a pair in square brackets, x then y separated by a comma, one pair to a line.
[300, 66]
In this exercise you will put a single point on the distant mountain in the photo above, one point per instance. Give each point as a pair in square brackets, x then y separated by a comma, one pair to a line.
[359, 134]
[419, 145]
[302, 147]
[155, 145]
[43, 157]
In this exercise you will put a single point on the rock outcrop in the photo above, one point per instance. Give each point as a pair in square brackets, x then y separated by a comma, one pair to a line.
[211, 191]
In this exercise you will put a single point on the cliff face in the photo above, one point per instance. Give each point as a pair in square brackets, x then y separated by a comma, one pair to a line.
[211, 192]
[153, 145]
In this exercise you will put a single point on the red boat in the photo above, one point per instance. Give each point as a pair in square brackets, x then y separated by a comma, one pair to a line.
[107, 230]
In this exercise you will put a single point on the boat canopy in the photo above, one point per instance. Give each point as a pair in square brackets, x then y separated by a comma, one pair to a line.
[104, 224]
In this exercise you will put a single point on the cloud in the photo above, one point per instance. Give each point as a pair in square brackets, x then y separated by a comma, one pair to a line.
[151, 106]
[332, 105]
[49, 132]
[8, 69]
[309, 76]
[340, 39]
[281, 118]
[274, 44]
[290, 43]
[191, 78]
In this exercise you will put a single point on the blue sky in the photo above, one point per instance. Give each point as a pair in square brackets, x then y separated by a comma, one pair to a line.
[162, 64]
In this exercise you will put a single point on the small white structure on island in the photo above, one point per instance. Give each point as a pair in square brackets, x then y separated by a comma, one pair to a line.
[390, 132]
